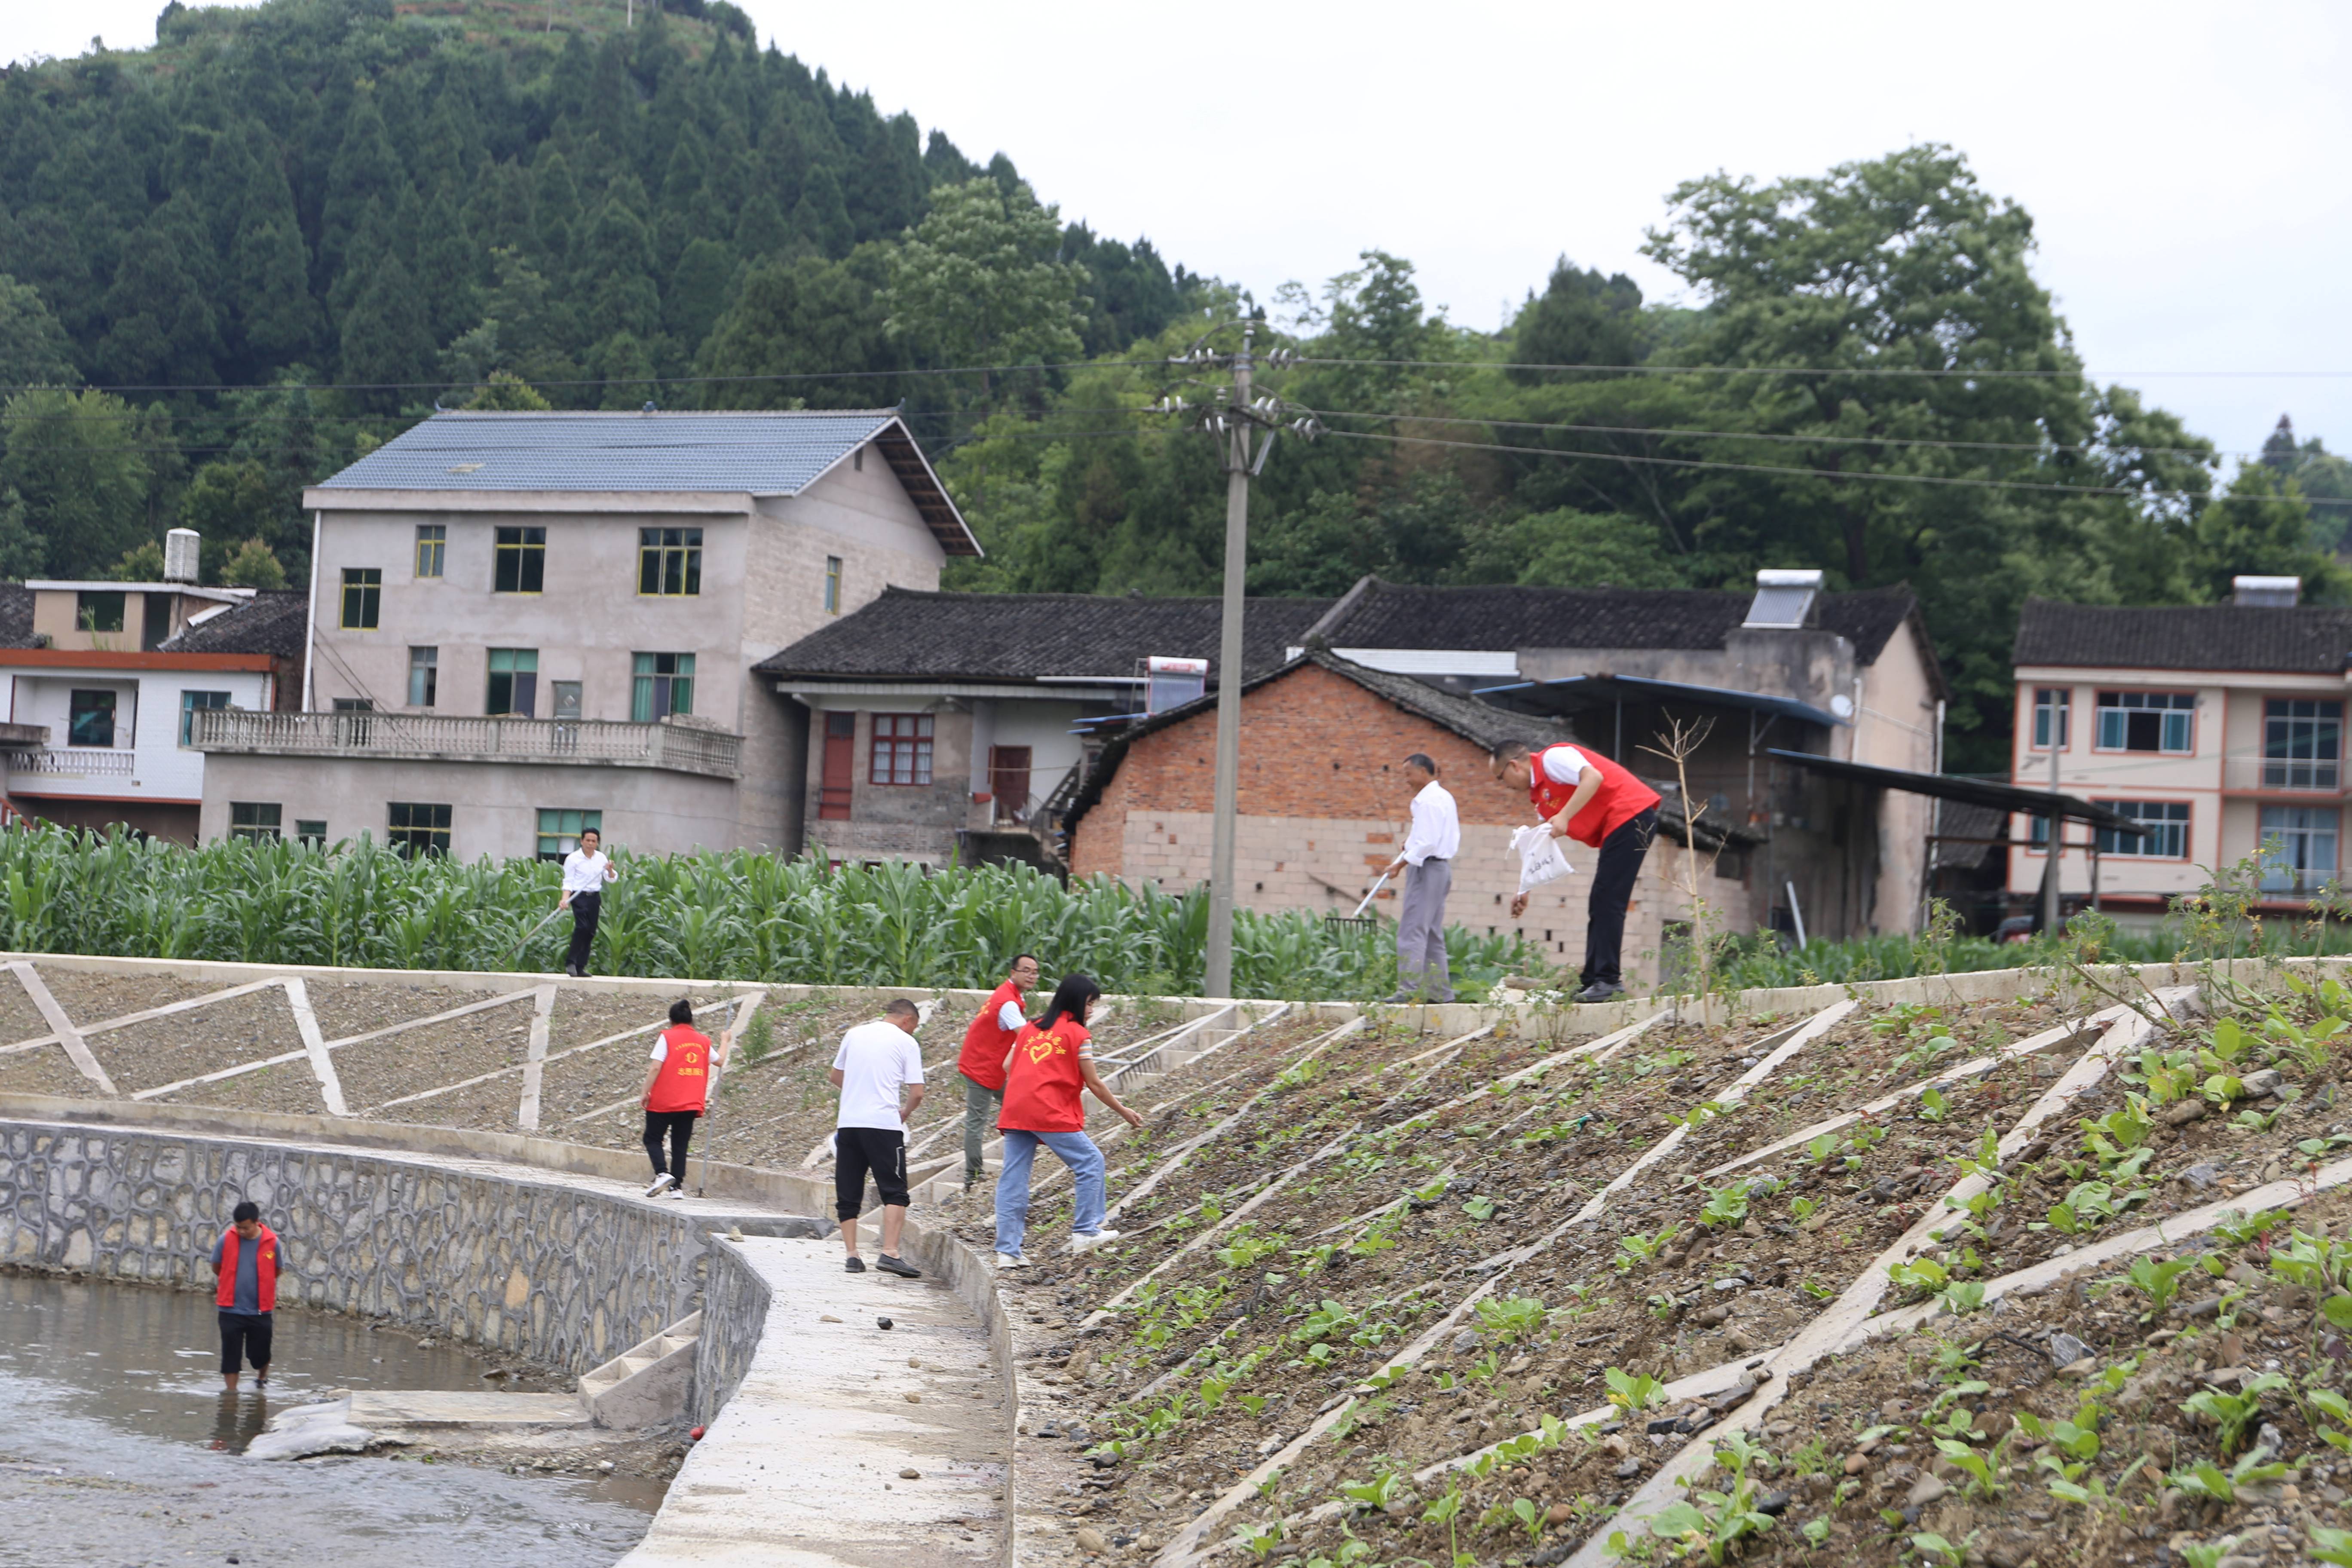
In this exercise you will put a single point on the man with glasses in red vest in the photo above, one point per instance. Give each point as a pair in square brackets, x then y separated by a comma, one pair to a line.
[246, 1261]
[987, 1042]
[1583, 796]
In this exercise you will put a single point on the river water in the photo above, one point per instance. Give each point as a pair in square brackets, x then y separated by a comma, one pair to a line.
[117, 1448]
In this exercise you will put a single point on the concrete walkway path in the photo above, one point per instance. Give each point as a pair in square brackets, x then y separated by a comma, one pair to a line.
[808, 1462]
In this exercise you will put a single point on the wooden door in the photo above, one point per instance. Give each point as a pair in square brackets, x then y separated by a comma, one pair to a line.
[1008, 781]
[840, 767]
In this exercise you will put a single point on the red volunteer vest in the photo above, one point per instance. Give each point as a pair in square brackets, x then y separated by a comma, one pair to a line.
[985, 1043]
[1042, 1093]
[1621, 798]
[264, 1269]
[684, 1081]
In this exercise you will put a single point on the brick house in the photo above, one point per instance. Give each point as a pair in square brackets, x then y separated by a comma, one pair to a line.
[2217, 728]
[1324, 805]
[943, 725]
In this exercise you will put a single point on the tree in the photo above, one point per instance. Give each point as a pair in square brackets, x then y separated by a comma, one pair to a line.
[1581, 318]
[977, 283]
[2321, 477]
[2259, 528]
[142, 563]
[253, 566]
[75, 460]
[227, 498]
[1567, 549]
[387, 347]
[34, 350]
[508, 393]
[797, 319]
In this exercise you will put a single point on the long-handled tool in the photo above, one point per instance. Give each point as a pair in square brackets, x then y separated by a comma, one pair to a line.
[530, 935]
[1369, 897]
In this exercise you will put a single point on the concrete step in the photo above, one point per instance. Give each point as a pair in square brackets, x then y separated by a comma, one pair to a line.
[646, 1384]
[429, 1408]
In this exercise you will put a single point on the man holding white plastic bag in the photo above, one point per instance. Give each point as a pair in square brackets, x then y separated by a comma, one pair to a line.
[1583, 796]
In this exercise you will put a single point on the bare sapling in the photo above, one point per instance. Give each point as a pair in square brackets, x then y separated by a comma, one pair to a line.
[1682, 741]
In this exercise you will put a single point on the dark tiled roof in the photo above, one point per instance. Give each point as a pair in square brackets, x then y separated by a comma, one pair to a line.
[907, 635]
[1396, 614]
[16, 615]
[1481, 724]
[271, 622]
[2307, 640]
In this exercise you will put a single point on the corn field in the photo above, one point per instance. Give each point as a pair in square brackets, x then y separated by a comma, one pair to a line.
[718, 915]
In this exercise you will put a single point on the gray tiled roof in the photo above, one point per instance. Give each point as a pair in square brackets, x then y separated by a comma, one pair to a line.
[272, 622]
[754, 453]
[910, 634]
[2313, 639]
[1414, 615]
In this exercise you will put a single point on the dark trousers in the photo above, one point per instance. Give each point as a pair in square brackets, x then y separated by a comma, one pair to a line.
[586, 907]
[678, 1126]
[245, 1336]
[1613, 875]
[856, 1151]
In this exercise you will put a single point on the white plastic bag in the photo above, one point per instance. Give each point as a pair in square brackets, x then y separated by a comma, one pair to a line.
[1540, 859]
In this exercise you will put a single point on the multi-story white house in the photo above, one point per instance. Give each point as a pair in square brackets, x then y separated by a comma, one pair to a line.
[105, 681]
[2218, 727]
[526, 624]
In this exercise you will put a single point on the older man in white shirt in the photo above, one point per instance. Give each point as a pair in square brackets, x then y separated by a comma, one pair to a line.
[1428, 862]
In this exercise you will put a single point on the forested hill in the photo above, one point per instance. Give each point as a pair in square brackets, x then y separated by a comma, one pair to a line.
[353, 186]
[231, 262]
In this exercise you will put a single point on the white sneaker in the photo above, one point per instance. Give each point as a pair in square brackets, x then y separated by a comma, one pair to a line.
[1087, 1241]
[1011, 1260]
[678, 1193]
[655, 1188]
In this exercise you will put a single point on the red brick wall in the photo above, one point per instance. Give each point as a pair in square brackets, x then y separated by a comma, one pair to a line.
[1314, 744]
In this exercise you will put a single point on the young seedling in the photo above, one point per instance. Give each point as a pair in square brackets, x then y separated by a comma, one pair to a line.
[1725, 1205]
[1636, 1249]
[2155, 1280]
[1633, 1394]
[2332, 1545]
[2231, 1414]
[1933, 1105]
[2207, 1479]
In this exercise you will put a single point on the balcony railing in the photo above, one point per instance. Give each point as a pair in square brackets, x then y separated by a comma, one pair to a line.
[73, 762]
[424, 737]
[2286, 776]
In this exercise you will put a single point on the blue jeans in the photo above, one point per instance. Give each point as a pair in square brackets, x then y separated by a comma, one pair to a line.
[1075, 1149]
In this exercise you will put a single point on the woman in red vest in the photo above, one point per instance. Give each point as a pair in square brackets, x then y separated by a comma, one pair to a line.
[677, 1089]
[245, 1261]
[1583, 796]
[1051, 1064]
[987, 1041]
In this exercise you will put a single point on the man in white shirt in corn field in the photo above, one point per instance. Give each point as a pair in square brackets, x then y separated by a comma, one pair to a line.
[586, 872]
[1427, 860]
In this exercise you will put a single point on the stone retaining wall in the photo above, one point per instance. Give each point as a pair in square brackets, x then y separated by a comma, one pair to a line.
[565, 1277]
[735, 1302]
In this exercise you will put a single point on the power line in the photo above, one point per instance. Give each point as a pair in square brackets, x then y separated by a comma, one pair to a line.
[1797, 472]
[446, 385]
[1821, 440]
[1963, 372]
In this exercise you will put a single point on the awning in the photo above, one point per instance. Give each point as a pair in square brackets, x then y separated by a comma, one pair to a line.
[1975, 792]
[1584, 693]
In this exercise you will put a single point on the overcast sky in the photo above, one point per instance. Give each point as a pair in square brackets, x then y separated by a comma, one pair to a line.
[2184, 165]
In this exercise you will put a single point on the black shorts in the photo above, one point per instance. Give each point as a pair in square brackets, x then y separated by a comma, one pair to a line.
[859, 1150]
[245, 1336]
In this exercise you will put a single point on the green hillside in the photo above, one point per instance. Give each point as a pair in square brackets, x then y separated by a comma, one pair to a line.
[230, 261]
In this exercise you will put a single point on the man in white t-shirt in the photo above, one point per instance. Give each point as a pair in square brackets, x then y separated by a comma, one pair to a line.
[876, 1062]
[1427, 860]
[586, 872]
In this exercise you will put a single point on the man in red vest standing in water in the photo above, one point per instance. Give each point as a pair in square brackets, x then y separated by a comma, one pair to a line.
[986, 1043]
[1583, 796]
[245, 1260]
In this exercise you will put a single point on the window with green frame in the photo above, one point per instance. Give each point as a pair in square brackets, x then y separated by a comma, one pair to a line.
[559, 830]
[254, 819]
[663, 685]
[514, 681]
[416, 828]
[363, 597]
[670, 562]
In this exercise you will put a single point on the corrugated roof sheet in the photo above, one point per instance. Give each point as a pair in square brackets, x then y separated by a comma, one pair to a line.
[760, 453]
[908, 634]
[2307, 640]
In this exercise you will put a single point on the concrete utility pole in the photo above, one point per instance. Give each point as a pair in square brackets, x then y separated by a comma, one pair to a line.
[1220, 977]
[2050, 869]
[1244, 427]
